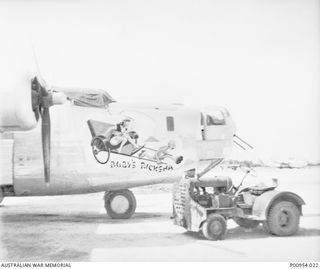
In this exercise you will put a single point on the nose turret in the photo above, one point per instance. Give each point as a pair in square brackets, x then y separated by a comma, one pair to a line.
[218, 130]
[217, 124]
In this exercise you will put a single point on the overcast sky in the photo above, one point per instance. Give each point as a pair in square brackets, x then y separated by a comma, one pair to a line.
[260, 59]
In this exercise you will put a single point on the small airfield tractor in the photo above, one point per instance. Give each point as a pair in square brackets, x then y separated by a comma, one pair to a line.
[205, 205]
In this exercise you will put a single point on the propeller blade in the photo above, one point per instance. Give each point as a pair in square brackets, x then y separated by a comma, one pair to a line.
[46, 141]
[39, 76]
[42, 99]
[35, 97]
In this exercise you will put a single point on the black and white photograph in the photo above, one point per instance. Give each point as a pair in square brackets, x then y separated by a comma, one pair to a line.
[159, 131]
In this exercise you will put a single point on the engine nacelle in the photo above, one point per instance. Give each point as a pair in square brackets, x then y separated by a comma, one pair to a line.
[16, 112]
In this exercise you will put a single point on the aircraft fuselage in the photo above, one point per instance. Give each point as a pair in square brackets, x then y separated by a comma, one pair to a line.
[75, 170]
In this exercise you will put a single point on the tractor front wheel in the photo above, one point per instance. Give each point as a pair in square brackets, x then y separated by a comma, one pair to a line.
[215, 227]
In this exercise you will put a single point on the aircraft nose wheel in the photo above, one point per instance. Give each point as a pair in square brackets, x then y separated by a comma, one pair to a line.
[100, 151]
[120, 204]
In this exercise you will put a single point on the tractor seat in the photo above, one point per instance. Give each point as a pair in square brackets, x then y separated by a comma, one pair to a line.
[261, 188]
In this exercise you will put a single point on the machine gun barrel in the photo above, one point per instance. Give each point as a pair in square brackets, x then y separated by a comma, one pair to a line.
[239, 145]
[246, 143]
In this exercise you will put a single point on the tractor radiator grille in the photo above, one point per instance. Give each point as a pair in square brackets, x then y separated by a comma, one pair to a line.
[179, 202]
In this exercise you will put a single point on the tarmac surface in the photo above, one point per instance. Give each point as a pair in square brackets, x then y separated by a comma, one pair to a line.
[76, 228]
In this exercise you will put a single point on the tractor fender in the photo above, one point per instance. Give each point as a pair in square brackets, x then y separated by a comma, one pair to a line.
[264, 202]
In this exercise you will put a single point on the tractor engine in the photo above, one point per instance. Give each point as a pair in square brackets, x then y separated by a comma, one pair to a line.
[215, 193]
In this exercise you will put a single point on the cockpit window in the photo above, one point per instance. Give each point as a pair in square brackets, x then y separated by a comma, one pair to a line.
[216, 118]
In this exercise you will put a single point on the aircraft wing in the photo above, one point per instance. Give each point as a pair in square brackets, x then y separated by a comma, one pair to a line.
[87, 97]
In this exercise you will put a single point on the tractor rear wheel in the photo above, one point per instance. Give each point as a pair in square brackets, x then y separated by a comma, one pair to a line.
[246, 223]
[215, 227]
[283, 219]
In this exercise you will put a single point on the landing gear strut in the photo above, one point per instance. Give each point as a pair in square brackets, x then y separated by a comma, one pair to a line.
[120, 204]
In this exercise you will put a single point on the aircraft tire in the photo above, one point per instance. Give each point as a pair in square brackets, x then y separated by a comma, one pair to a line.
[120, 204]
